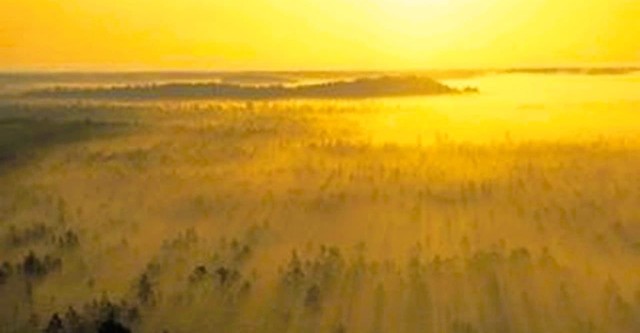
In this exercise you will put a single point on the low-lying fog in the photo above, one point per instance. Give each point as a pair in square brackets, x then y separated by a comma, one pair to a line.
[516, 209]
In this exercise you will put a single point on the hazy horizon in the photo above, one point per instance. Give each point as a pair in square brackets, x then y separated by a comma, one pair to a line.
[319, 166]
[142, 70]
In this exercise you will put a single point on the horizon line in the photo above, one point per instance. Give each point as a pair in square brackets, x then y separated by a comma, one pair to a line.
[4, 71]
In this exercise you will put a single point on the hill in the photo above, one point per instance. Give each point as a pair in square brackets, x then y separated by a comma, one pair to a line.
[384, 86]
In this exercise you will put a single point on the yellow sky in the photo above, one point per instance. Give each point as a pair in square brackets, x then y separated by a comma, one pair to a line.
[316, 34]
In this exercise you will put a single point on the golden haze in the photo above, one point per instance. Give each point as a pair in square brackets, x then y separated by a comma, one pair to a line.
[313, 34]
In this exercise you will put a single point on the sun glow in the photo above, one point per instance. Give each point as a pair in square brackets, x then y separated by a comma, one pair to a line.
[328, 34]
[432, 10]
[418, 3]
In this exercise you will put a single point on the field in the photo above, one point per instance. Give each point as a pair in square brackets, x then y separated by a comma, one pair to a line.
[516, 209]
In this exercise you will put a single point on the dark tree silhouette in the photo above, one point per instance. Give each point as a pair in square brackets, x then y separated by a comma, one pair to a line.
[145, 290]
[312, 297]
[198, 274]
[223, 275]
[55, 325]
[5, 272]
[112, 326]
[73, 320]
[32, 266]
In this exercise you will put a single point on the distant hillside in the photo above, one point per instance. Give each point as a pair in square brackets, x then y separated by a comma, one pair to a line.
[359, 88]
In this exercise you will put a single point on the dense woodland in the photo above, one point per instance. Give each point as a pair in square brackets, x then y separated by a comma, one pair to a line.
[293, 216]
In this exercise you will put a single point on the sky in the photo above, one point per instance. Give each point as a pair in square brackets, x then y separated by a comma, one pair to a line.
[316, 34]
